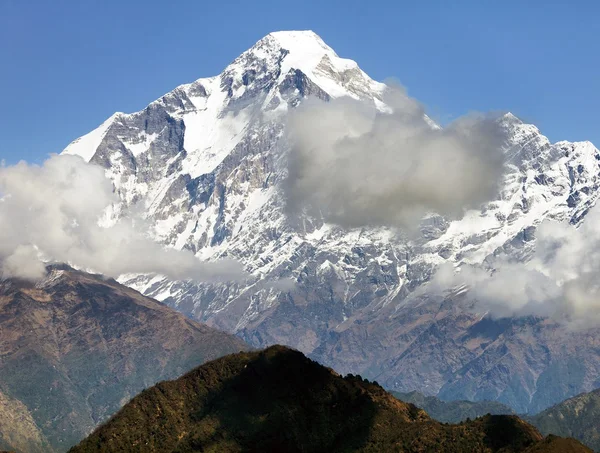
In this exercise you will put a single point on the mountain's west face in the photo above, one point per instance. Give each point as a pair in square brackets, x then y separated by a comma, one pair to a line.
[278, 400]
[75, 347]
[205, 164]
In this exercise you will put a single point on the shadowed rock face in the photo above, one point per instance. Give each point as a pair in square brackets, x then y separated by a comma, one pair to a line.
[278, 400]
[205, 164]
[75, 347]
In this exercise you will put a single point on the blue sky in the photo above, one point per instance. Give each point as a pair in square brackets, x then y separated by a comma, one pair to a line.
[68, 65]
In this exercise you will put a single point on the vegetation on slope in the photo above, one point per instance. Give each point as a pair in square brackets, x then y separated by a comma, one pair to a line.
[75, 347]
[18, 429]
[577, 417]
[277, 400]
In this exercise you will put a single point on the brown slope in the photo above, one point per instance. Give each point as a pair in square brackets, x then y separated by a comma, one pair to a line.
[75, 347]
[554, 444]
[277, 400]
[18, 429]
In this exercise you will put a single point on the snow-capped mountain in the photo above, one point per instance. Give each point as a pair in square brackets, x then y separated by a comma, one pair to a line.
[205, 163]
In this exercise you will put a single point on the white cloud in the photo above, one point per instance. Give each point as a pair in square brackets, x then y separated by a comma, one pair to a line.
[356, 166]
[560, 281]
[24, 263]
[56, 208]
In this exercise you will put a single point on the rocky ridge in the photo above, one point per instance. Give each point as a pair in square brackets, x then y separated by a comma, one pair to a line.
[75, 347]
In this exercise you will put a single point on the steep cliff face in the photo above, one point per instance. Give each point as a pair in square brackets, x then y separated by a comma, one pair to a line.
[75, 347]
[205, 164]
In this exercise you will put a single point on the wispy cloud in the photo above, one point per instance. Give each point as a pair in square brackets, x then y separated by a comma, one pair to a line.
[357, 166]
[53, 211]
[560, 281]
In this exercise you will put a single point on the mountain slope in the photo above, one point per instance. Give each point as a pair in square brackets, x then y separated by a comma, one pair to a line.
[553, 444]
[18, 429]
[278, 400]
[453, 411]
[206, 165]
[576, 417]
[75, 347]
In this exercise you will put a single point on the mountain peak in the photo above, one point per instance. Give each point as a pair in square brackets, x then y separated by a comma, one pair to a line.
[294, 33]
[511, 118]
[300, 41]
[297, 49]
[305, 51]
[279, 69]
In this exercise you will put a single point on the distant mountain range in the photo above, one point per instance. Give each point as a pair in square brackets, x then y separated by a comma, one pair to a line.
[454, 411]
[277, 400]
[577, 417]
[205, 163]
[75, 347]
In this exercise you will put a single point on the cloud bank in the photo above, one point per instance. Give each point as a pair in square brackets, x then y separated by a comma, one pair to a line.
[560, 281]
[52, 212]
[357, 166]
